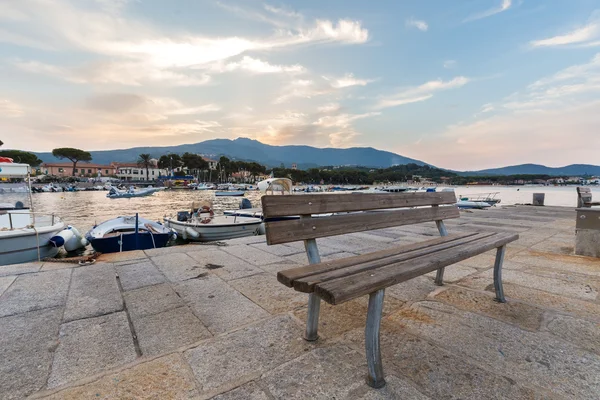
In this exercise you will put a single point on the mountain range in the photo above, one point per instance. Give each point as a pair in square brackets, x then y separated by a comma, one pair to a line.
[308, 157]
[253, 150]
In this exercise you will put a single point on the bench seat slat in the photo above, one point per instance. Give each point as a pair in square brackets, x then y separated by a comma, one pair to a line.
[288, 276]
[289, 205]
[311, 228]
[347, 288]
[308, 283]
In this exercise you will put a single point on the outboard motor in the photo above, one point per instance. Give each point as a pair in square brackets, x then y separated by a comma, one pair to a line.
[245, 204]
[183, 216]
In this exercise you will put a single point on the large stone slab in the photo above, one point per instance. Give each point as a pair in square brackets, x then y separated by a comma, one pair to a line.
[35, 292]
[574, 287]
[249, 391]
[521, 355]
[5, 282]
[264, 290]
[27, 343]
[579, 265]
[395, 389]
[19, 269]
[168, 377]
[94, 291]
[252, 254]
[585, 334]
[169, 330]
[178, 266]
[90, 346]
[281, 250]
[124, 256]
[220, 307]
[454, 273]
[223, 264]
[521, 314]
[134, 276]
[152, 300]
[325, 373]
[226, 362]
[416, 289]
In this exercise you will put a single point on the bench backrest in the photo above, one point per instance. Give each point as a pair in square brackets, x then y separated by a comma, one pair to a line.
[393, 209]
[584, 195]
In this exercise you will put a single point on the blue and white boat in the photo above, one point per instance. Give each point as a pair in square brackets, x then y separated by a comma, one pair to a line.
[129, 233]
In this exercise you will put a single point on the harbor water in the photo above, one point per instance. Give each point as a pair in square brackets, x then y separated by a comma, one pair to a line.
[86, 208]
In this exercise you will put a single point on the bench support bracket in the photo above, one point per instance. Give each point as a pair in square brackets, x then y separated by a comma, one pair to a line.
[498, 274]
[314, 301]
[439, 276]
[375, 378]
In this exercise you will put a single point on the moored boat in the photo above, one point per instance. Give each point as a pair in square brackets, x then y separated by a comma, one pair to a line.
[24, 234]
[115, 193]
[236, 193]
[202, 225]
[128, 233]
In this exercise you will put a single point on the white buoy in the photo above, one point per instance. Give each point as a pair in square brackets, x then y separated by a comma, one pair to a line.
[190, 233]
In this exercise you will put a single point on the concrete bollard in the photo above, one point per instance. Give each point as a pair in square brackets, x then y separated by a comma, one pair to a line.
[587, 232]
[538, 199]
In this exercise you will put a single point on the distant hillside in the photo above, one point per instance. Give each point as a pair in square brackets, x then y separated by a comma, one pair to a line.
[248, 149]
[535, 169]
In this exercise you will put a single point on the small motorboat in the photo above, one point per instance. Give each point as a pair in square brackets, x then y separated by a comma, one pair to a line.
[490, 198]
[129, 233]
[115, 193]
[205, 186]
[479, 205]
[236, 193]
[202, 225]
[69, 238]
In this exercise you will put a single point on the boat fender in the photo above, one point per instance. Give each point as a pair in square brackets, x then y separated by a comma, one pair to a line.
[245, 204]
[190, 233]
[61, 238]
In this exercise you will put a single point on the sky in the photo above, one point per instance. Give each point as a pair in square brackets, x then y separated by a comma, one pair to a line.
[462, 84]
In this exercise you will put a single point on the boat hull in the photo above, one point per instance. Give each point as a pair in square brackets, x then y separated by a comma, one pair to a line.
[144, 242]
[21, 245]
[236, 194]
[215, 232]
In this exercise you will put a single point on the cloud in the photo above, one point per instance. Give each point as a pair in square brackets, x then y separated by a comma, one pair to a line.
[488, 107]
[420, 93]
[342, 120]
[10, 109]
[347, 80]
[416, 23]
[158, 56]
[257, 66]
[505, 5]
[449, 64]
[579, 35]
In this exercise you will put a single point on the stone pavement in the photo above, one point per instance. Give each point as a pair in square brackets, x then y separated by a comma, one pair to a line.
[202, 321]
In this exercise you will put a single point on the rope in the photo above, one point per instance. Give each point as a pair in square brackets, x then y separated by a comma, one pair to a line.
[152, 236]
[121, 244]
[37, 235]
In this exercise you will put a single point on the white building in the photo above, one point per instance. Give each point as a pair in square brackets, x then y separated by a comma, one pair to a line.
[133, 172]
[212, 164]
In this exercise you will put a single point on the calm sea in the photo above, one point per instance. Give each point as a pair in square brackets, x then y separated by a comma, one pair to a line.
[84, 209]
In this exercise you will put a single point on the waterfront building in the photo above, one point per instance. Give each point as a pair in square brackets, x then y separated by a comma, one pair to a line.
[64, 169]
[134, 172]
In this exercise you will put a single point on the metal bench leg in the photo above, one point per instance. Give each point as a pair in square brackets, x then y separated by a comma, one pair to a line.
[375, 378]
[439, 277]
[312, 320]
[498, 274]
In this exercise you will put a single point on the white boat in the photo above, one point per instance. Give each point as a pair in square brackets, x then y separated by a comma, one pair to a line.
[490, 198]
[24, 234]
[275, 186]
[479, 205]
[202, 225]
[115, 193]
[205, 186]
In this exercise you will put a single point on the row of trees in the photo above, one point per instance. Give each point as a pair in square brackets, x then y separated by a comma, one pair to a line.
[362, 176]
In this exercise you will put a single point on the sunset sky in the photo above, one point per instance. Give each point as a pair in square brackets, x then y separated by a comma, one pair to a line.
[462, 84]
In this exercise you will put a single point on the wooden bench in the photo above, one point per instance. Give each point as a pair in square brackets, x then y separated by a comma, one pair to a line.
[584, 198]
[346, 279]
